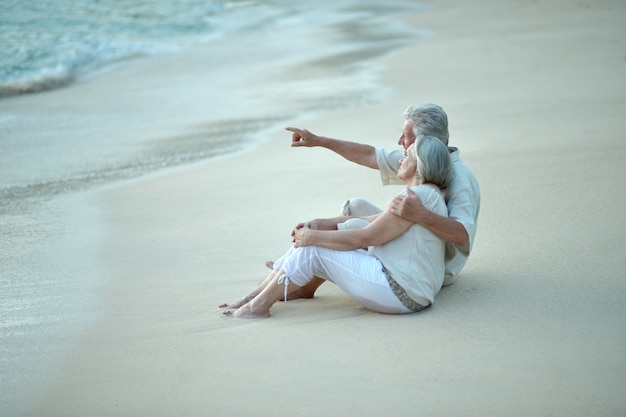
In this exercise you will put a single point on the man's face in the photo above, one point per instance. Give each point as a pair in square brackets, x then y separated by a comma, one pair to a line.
[408, 137]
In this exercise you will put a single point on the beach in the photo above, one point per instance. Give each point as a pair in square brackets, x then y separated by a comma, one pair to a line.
[534, 326]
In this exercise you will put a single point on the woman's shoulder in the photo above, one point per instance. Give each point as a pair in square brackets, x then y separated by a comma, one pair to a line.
[426, 190]
[430, 195]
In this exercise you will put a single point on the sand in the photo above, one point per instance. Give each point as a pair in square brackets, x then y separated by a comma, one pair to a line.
[535, 325]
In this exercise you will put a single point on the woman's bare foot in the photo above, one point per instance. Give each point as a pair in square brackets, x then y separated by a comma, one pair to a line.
[237, 304]
[269, 264]
[300, 293]
[248, 311]
[245, 300]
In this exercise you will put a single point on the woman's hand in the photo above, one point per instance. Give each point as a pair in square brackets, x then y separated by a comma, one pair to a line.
[301, 235]
[312, 225]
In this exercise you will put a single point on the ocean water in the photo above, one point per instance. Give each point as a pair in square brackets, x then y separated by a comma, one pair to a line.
[48, 44]
[97, 92]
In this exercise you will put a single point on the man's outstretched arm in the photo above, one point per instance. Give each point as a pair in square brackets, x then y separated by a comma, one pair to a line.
[358, 153]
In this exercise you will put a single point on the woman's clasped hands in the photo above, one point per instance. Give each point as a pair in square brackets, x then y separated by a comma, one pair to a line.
[301, 234]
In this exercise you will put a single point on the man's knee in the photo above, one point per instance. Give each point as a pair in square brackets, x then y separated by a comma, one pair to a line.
[359, 207]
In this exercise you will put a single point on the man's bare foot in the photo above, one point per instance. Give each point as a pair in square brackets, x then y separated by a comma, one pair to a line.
[303, 292]
[249, 312]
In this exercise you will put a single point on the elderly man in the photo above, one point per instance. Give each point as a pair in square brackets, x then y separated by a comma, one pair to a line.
[462, 196]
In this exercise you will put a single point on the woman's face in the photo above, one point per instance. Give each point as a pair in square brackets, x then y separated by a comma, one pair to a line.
[408, 166]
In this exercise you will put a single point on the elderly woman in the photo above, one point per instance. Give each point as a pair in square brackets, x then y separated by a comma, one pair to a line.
[402, 270]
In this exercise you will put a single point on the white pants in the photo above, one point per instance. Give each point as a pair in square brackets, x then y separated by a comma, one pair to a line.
[359, 275]
[359, 207]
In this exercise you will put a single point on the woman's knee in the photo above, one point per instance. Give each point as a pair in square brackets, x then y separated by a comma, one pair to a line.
[300, 264]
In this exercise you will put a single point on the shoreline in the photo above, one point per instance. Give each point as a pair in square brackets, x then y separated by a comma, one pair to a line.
[146, 118]
[512, 331]
[40, 210]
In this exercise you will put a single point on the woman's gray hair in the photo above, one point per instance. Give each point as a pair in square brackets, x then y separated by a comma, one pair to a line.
[428, 120]
[434, 165]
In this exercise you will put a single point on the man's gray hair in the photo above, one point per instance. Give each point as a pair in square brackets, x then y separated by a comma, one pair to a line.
[428, 120]
[434, 165]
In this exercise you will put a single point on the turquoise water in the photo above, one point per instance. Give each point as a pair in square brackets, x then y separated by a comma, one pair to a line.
[48, 44]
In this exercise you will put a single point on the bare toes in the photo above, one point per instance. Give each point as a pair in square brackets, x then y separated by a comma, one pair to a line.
[247, 312]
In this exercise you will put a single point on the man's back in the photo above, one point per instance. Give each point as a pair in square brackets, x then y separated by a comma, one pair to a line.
[463, 201]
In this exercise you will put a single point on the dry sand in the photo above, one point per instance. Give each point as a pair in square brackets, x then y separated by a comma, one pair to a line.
[535, 325]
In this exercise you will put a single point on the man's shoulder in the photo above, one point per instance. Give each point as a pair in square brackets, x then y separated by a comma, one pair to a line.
[463, 175]
[457, 162]
[386, 152]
